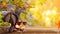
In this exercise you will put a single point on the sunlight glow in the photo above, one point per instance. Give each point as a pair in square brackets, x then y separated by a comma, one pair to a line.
[48, 12]
[48, 23]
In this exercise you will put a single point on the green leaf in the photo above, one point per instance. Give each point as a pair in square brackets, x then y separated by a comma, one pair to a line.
[42, 1]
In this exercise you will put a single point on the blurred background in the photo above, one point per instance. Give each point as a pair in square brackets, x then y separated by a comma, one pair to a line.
[37, 13]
